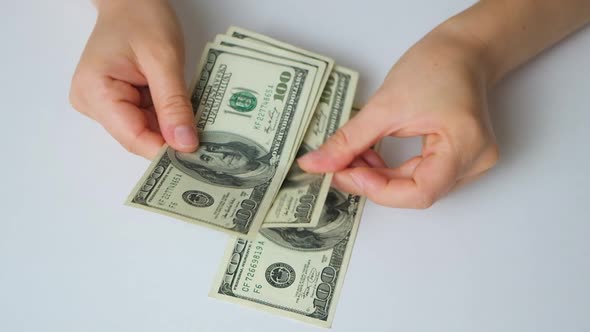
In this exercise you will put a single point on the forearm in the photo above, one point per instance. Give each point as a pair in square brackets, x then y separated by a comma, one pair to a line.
[506, 33]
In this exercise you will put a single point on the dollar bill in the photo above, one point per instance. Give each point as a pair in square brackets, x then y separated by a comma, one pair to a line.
[302, 195]
[262, 40]
[244, 34]
[250, 108]
[295, 272]
[318, 83]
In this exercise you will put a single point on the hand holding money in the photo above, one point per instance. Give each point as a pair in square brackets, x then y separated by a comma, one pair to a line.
[449, 112]
[258, 104]
[130, 77]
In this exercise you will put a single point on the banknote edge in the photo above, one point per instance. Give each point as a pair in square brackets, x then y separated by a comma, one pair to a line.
[214, 293]
[319, 80]
[214, 290]
[293, 48]
[281, 171]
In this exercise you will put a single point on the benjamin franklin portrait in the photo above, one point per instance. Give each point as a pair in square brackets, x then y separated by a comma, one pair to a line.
[226, 159]
[335, 225]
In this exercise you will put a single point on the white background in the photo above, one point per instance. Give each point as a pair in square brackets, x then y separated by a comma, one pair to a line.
[508, 253]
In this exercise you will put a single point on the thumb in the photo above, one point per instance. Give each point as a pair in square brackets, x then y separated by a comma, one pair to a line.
[351, 140]
[173, 108]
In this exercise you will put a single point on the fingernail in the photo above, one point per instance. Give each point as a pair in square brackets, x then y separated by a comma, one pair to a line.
[185, 136]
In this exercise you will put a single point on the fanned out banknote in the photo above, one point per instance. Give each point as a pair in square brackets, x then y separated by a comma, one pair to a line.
[294, 272]
[299, 201]
[320, 65]
[250, 110]
[259, 103]
[302, 195]
[262, 40]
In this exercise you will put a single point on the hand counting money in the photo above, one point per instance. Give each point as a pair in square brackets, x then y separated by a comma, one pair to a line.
[250, 108]
[259, 103]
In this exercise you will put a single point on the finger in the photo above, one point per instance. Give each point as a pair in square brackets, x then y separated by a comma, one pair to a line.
[354, 138]
[407, 169]
[432, 178]
[369, 159]
[89, 88]
[403, 171]
[342, 180]
[152, 120]
[129, 126]
[359, 162]
[146, 97]
[373, 159]
[114, 105]
[168, 92]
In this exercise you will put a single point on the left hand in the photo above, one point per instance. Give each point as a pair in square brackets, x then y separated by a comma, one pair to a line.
[437, 90]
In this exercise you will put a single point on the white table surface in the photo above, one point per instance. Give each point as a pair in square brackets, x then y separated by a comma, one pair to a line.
[508, 253]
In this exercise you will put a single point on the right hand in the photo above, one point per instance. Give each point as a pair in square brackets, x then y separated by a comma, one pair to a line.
[130, 77]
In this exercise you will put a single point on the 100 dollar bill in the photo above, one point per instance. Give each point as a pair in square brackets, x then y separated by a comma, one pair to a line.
[263, 48]
[294, 272]
[266, 41]
[250, 109]
[302, 195]
[249, 44]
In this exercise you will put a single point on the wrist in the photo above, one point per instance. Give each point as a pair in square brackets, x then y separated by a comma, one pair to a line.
[474, 45]
[487, 25]
[449, 45]
[507, 33]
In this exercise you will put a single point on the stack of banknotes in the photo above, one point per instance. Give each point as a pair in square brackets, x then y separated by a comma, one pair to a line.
[259, 104]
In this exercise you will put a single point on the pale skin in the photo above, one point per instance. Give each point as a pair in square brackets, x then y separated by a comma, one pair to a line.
[130, 80]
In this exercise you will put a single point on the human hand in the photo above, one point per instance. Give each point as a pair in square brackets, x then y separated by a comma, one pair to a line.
[130, 77]
[437, 90]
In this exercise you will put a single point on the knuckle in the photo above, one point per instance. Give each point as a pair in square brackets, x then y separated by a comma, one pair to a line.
[425, 200]
[341, 137]
[175, 105]
[491, 156]
[468, 129]
[128, 147]
[131, 146]
[380, 106]
[473, 127]
[74, 100]
[473, 139]
[104, 91]
[74, 95]
[133, 143]
[164, 53]
[494, 154]
[382, 200]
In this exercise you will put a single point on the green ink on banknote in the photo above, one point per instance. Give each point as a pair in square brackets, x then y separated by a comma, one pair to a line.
[243, 101]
